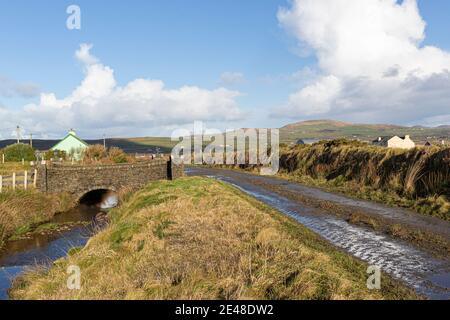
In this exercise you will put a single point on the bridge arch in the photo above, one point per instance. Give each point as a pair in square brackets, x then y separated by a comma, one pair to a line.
[99, 196]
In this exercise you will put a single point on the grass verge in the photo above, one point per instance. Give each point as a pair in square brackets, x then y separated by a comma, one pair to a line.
[197, 238]
[21, 211]
[437, 206]
[418, 178]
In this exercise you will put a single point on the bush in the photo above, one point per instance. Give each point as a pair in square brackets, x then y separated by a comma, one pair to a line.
[117, 155]
[95, 153]
[98, 153]
[19, 151]
[55, 154]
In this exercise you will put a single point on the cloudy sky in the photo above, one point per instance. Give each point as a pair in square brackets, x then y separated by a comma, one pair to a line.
[139, 68]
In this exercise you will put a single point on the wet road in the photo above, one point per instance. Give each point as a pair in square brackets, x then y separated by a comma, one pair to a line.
[429, 276]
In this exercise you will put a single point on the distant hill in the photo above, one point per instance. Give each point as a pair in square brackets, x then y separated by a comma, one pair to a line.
[330, 129]
[132, 145]
[312, 130]
[319, 123]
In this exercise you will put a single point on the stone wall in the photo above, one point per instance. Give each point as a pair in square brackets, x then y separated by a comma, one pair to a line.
[177, 171]
[78, 180]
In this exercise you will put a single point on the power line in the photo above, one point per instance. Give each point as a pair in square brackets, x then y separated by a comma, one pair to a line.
[8, 129]
[16, 132]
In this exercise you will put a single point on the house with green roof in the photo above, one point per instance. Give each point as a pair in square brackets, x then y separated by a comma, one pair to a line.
[72, 145]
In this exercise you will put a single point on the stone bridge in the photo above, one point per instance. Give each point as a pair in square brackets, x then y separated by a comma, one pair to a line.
[79, 180]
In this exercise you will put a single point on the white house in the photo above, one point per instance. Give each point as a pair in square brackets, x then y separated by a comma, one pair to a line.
[72, 145]
[395, 142]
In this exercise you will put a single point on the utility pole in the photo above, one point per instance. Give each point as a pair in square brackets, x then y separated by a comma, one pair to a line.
[31, 140]
[18, 134]
[104, 141]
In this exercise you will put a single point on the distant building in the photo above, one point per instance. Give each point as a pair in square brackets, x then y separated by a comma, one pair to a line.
[395, 142]
[72, 145]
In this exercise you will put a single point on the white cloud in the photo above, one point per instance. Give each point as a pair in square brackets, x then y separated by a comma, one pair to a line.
[83, 54]
[373, 64]
[316, 98]
[231, 78]
[100, 105]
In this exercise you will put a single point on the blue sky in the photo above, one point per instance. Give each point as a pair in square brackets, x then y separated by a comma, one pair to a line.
[178, 42]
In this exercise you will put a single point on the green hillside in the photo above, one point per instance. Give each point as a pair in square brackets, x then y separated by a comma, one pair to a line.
[164, 143]
[328, 129]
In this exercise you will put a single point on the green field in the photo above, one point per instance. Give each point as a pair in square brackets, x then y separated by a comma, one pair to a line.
[161, 142]
[330, 130]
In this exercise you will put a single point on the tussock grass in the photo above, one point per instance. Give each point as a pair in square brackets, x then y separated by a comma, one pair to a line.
[406, 178]
[21, 210]
[196, 238]
[413, 178]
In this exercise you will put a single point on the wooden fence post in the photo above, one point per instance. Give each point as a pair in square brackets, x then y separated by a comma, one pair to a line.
[25, 180]
[35, 178]
[1, 184]
[14, 181]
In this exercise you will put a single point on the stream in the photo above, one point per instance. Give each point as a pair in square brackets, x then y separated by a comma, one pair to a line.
[418, 269]
[41, 249]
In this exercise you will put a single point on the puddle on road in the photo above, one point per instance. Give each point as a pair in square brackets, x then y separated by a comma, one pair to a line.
[428, 276]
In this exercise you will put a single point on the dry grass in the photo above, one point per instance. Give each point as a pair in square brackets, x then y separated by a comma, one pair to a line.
[405, 178]
[98, 154]
[8, 168]
[195, 238]
[413, 174]
[379, 167]
[21, 210]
